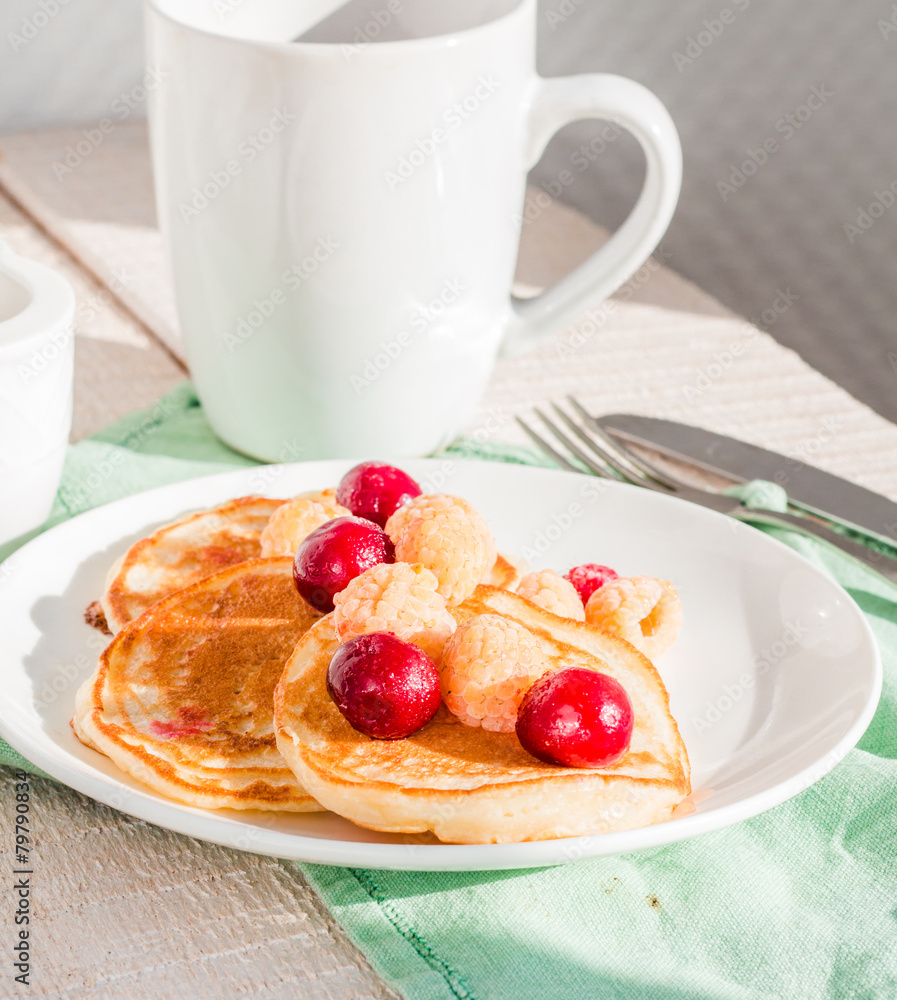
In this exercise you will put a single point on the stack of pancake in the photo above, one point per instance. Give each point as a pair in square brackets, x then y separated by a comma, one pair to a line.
[212, 692]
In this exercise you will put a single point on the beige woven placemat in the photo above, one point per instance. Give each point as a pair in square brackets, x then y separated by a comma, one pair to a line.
[660, 346]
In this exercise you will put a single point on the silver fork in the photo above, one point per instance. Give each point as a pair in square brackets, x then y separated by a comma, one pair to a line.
[603, 456]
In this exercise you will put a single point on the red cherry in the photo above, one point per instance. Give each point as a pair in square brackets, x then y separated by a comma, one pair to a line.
[385, 687]
[334, 554]
[589, 577]
[577, 717]
[376, 491]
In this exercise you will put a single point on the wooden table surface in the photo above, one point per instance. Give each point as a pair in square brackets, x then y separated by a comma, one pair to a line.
[127, 910]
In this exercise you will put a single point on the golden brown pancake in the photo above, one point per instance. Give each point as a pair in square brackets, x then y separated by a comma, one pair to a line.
[184, 552]
[504, 573]
[469, 785]
[183, 697]
[194, 546]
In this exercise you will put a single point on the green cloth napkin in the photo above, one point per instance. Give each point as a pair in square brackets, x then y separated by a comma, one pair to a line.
[800, 902]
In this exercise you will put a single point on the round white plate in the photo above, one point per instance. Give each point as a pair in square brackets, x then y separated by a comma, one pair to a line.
[774, 678]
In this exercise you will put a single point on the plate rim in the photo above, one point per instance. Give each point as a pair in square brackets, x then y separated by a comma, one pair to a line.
[144, 804]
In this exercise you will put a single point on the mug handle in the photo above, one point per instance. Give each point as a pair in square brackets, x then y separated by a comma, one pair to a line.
[557, 102]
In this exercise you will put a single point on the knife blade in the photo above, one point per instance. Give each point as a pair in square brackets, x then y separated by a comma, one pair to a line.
[808, 488]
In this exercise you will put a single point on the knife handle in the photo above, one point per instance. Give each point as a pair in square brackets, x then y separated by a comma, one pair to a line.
[875, 561]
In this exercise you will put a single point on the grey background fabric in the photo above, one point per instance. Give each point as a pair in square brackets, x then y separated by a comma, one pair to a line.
[784, 227]
[814, 81]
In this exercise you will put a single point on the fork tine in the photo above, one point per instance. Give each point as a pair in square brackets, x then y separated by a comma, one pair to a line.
[641, 464]
[587, 460]
[543, 445]
[623, 470]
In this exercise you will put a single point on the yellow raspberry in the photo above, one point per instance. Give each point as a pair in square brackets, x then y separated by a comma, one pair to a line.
[429, 503]
[293, 521]
[644, 611]
[445, 534]
[396, 598]
[551, 591]
[418, 506]
[488, 666]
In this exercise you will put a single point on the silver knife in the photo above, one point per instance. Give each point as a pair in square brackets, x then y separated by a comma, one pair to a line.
[808, 488]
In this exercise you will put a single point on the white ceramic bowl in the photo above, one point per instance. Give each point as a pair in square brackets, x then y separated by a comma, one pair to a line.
[37, 310]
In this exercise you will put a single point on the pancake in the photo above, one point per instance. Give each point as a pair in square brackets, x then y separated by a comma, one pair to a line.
[184, 552]
[472, 786]
[189, 549]
[504, 573]
[183, 697]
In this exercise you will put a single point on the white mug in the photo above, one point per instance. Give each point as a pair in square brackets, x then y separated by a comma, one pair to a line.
[37, 311]
[343, 211]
